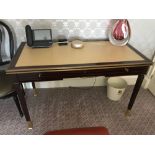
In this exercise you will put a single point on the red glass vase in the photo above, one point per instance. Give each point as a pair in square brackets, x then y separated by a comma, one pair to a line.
[120, 32]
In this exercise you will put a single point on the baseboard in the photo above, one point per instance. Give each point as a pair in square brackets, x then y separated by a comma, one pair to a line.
[79, 82]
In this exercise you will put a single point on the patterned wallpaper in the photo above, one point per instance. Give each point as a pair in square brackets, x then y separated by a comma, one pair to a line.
[83, 29]
[141, 30]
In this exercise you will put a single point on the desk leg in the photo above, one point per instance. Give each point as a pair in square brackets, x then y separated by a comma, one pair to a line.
[21, 96]
[134, 94]
[34, 89]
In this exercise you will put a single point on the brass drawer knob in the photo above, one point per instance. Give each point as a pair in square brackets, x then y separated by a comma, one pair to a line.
[85, 72]
[126, 69]
[39, 75]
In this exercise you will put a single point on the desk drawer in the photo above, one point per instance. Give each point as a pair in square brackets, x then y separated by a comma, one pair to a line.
[51, 76]
[43, 76]
[106, 72]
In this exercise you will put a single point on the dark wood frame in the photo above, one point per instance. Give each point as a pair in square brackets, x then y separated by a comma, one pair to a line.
[110, 64]
[38, 73]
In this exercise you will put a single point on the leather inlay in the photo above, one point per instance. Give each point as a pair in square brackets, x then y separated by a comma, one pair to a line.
[93, 52]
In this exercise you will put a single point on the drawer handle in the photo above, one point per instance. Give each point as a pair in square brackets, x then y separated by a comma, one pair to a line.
[126, 69]
[39, 75]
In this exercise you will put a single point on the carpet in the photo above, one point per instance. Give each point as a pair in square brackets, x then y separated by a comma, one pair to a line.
[63, 108]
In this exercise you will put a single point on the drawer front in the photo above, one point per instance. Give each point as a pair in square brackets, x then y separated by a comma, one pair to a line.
[43, 76]
[51, 76]
[106, 72]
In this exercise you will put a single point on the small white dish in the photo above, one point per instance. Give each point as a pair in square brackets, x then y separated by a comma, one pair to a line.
[77, 44]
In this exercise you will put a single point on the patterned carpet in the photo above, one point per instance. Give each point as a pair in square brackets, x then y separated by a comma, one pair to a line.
[62, 108]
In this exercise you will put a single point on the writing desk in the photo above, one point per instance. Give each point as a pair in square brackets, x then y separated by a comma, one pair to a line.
[97, 58]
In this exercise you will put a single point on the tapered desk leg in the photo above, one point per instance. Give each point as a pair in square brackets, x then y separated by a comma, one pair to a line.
[34, 89]
[134, 94]
[21, 96]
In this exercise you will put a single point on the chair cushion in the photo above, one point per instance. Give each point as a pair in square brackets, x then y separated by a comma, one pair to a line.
[5, 85]
[80, 131]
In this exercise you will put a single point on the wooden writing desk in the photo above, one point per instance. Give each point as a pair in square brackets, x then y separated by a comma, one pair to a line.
[97, 58]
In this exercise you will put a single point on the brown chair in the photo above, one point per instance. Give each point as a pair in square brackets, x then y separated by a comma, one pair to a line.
[6, 83]
[80, 131]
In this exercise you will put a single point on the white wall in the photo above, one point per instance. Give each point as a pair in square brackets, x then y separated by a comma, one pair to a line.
[79, 82]
[142, 37]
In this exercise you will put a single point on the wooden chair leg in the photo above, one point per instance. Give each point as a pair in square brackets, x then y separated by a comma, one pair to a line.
[15, 97]
[34, 89]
